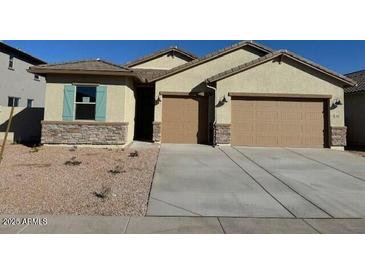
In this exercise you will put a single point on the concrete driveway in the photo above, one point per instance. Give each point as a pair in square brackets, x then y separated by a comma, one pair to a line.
[194, 180]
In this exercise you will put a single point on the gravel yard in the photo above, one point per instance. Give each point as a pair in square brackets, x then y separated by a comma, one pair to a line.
[76, 181]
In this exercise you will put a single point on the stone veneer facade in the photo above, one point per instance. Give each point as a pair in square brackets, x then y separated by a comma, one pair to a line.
[156, 132]
[222, 134]
[84, 133]
[338, 136]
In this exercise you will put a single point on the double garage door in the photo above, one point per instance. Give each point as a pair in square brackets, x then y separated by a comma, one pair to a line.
[280, 122]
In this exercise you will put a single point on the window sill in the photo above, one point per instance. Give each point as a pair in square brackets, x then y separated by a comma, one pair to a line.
[38, 80]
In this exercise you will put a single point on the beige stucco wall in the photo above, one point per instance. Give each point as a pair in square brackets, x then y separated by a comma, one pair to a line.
[163, 62]
[193, 79]
[130, 107]
[120, 98]
[355, 118]
[274, 77]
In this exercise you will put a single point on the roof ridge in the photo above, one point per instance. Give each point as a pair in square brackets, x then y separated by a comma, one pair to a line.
[216, 53]
[356, 72]
[83, 61]
[159, 52]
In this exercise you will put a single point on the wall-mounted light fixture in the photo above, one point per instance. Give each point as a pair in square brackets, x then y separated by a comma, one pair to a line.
[335, 103]
[158, 99]
[223, 100]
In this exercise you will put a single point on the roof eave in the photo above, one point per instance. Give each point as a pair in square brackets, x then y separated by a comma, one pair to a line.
[44, 72]
[345, 80]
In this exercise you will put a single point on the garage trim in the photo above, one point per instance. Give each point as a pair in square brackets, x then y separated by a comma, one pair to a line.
[281, 95]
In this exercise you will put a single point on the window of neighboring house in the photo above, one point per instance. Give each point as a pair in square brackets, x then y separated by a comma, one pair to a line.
[11, 62]
[13, 101]
[85, 103]
[36, 77]
[29, 103]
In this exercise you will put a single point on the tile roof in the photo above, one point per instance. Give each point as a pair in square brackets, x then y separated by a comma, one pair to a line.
[273, 55]
[160, 53]
[93, 65]
[32, 59]
[148, 74]
[359, 77]
[213, 55]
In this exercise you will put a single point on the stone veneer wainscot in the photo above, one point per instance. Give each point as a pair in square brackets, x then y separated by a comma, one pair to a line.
[83, 132]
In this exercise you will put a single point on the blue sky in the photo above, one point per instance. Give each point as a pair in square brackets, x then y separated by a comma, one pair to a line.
[340, 56]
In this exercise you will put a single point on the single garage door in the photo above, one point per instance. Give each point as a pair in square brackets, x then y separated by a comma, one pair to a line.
[185, 119]
[279, 122]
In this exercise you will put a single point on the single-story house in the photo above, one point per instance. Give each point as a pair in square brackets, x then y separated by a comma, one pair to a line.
[245, 94]
[355, 110]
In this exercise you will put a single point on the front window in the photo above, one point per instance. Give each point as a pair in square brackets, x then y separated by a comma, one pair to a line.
[85, 103]
[13, 102]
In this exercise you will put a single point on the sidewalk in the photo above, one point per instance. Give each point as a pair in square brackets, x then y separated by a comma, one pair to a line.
[179, 225]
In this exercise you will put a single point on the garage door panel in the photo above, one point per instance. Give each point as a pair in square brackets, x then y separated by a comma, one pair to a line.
[278, 122]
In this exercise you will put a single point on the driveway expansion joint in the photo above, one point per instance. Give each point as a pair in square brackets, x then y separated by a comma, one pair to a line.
[305, 198]
[322, 163]
[258, 183]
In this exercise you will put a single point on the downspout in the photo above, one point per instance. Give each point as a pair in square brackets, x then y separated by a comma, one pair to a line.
[215, 111]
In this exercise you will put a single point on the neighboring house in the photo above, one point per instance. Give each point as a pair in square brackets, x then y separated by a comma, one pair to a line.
[23, 90]
[355, 110]
[245, 94]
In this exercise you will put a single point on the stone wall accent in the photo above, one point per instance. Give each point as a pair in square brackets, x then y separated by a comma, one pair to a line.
[156, 132]
[84, 133]
[222, 134]
[338, 136]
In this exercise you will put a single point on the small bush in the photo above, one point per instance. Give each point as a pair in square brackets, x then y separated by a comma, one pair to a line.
[34, 150]
[103, 193]
[72, 162]
[133, 154]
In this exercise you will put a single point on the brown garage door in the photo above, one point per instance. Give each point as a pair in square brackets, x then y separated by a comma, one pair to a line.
[184, 119]
[278, 122]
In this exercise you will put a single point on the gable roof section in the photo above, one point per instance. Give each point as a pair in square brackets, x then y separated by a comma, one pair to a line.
[148, 74]
[159, 53]
[359, 77]
[212, 56]
[94, 66]
[347, 81]
[26, 56]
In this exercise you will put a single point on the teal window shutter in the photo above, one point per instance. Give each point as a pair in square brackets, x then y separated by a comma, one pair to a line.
[68, 103]
[100, 109]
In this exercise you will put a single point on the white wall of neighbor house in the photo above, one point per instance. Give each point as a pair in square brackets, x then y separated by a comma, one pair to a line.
[166, 61]
[274, 77]
[193, 79]
[17, 82]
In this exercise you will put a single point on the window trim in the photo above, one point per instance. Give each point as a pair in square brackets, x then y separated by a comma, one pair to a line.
[84, 103]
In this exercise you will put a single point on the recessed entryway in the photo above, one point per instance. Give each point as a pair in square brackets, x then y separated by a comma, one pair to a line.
[144, 114]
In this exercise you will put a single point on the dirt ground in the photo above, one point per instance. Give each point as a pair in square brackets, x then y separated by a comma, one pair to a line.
[76, 181]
